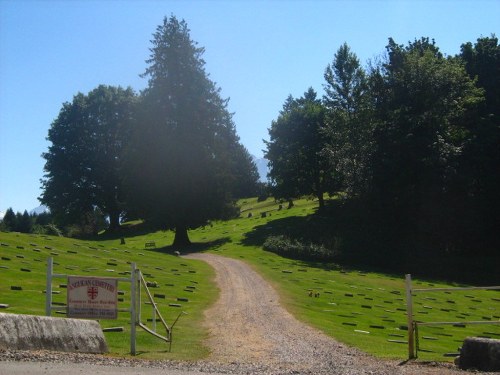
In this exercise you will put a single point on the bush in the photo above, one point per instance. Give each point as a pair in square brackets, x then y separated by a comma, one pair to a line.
[53, 230]
[39, 229]
[292, 248]
[49, 229]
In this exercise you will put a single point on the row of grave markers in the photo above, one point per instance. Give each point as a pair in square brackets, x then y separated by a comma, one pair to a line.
[396, 305]
[413, 346]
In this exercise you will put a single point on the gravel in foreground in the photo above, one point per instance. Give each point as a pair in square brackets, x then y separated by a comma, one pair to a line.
[207, 367]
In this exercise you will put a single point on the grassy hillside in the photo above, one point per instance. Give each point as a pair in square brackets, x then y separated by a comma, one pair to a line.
[359, 307]
[23, 266]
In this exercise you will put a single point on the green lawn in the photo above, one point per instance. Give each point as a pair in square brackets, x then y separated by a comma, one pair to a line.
[23, 264]
[361, 308]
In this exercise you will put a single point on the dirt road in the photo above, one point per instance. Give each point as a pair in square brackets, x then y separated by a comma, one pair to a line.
[248, 325]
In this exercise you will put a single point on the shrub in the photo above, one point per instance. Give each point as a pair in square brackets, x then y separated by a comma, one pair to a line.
[53, 230]
[292, 248]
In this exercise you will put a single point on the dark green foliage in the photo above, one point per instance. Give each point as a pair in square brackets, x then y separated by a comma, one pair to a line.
[263, 191]
[295, 249]
[296, 166]
[413, 146]
[349, 121]
[479, 182]
[9, 220]
[423, 103]
[175, 147]
[48, 229]
[83, 163]
[24, 222]
[185, 164]
[245, 175]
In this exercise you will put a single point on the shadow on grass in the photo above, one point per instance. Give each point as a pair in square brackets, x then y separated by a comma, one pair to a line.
[363, 242]
[125, 230]
[195, 247]
[292, 227]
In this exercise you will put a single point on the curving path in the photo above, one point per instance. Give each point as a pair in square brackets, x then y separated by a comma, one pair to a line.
[250, 333]
[248, 325]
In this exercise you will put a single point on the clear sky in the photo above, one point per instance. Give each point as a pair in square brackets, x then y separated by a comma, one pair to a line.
[258, 52]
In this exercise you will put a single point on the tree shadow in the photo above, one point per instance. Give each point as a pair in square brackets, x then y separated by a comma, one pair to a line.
[195, 247]
[293, 227]
[368, 242]
[124, 231]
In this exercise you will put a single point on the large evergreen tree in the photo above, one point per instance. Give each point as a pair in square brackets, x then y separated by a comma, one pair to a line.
[423, 102]
[83, 162]
[480, 162]
[181, 158]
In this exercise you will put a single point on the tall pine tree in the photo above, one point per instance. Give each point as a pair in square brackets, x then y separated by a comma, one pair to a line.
[181, 171]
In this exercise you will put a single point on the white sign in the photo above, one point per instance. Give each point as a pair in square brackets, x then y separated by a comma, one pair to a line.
[92, 297]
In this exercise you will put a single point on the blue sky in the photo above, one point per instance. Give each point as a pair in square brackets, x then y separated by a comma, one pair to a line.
[258, 52]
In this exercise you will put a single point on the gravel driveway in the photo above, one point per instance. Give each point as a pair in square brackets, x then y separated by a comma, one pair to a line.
[249, 326]
[250, 333]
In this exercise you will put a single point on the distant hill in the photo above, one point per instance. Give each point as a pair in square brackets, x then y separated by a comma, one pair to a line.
[39, 210]
[262, 168]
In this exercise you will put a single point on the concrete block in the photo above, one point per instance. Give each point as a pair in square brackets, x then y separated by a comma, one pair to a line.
[30, 332]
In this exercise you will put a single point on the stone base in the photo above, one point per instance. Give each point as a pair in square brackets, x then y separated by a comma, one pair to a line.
[480, 353]
[30, 332]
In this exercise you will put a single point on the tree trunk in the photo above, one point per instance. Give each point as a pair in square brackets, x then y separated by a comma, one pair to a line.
[181, 238]
[114, 221]
[321, 200]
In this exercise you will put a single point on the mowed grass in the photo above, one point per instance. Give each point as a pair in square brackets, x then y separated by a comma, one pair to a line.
[361, 308]
[179, 282]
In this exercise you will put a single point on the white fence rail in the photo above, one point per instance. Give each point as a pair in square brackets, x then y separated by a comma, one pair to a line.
[136, 280]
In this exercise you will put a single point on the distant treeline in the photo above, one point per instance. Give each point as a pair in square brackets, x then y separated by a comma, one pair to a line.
[28, 223]
[410, 145]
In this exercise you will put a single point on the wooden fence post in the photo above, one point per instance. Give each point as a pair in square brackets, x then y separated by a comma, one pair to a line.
[133, 308]
[48, 287]
[409, 312]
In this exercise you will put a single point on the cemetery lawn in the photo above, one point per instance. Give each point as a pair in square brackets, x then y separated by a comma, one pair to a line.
[358, 307]
[182, 286]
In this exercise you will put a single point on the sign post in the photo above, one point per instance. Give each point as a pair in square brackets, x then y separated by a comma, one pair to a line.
[133, 302]
[409, 312]
[97, 298]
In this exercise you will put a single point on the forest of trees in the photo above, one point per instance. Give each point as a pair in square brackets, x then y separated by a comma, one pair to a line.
[411, 145]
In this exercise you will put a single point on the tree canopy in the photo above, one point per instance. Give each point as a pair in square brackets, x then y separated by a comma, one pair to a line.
[170, 156]
[349, 121]
[293, 151]
[411, 144]
[84, 160]
[185, 153]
